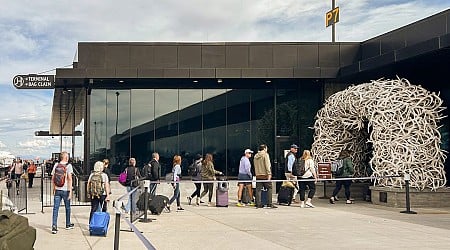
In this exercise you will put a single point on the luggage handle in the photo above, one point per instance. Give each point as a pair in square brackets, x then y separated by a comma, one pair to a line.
[99, 209]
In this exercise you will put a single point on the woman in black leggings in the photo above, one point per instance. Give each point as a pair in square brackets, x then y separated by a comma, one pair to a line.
[197, 176]
[345, 170]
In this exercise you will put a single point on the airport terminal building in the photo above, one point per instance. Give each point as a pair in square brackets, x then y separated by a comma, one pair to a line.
[136, 98]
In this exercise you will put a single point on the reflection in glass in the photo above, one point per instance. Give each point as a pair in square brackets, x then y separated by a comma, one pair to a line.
[238, 127]
[98, 142]
[118, 120]
[190, 125]
[223, 122]
[142, 124]
[214, 121]
[166, 124]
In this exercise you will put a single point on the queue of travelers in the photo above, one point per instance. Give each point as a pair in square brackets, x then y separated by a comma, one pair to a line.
[202, 171]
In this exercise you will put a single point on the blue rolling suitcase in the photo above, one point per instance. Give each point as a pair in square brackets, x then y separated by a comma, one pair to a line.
[99, 223]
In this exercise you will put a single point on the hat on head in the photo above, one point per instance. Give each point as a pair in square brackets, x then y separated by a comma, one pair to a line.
[248, 151]
[294, 146]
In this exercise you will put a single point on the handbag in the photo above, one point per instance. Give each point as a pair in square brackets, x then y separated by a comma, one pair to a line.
[24, 176]
[123, 177]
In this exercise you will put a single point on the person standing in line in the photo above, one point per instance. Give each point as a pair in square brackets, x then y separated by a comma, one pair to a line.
[347, 172]
[154, 170]
[107, 170]
[31, 173]
[263, 172]
[208, 174]
[133, 175]
[197, 178]
[308, 179]
[62, 193]
[176, 170]
[245, 174]
[290, 160]
[98, 199]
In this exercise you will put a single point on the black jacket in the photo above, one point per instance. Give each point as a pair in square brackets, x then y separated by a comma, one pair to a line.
[154, 170]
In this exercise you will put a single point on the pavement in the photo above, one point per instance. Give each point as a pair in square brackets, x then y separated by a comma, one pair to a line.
[327, 226]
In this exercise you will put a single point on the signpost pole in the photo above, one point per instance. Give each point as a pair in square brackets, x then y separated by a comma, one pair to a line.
[333, 28]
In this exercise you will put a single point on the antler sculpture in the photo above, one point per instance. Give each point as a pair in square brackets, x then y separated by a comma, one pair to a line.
[391, 126]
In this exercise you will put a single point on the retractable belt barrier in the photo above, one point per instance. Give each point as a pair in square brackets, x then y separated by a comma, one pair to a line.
[277, 180]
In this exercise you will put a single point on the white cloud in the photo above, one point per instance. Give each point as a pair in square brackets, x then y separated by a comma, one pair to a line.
[2, 145]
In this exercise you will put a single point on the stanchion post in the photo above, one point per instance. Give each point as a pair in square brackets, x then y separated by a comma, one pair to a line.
[146, 194]
[408, 202]
[117, 231]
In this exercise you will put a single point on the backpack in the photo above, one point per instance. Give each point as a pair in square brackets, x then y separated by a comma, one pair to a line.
[295, 167]
[301, 167]
[96, 188]
[338, 167]
[192, 169]
[59, 177]
[147, 172]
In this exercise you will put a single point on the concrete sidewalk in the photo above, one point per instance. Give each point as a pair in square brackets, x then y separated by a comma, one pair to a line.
[339, 226]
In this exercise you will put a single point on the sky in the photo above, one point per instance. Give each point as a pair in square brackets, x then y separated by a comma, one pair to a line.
[39, 36]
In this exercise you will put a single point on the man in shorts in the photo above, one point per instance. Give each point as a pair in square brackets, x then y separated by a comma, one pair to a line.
[245, 175]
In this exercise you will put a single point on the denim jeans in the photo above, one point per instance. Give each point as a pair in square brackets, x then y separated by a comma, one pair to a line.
[176, 194]
[132, 199]
[64, 195]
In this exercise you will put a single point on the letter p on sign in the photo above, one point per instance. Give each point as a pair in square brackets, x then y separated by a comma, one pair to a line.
[332, 17]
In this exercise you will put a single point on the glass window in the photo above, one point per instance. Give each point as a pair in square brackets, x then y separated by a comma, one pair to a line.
[190, 125]
[98, 142]
[142, 124]
[214, 125]
[166, 126]
[118, 127]
[238, 127]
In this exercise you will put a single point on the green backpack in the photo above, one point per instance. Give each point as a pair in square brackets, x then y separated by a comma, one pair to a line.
[96, 187]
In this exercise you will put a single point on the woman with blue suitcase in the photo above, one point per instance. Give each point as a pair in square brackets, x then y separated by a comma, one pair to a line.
[98, 190]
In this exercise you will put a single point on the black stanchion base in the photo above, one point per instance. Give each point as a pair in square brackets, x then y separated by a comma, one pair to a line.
[408, 212]
[146, 220]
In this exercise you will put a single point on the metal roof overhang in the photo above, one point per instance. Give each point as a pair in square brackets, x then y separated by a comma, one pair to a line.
[68, 110]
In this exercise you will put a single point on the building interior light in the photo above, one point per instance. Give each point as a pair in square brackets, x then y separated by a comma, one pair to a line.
[219, 81]
[121, 81]
[195, 81]
[268, 81]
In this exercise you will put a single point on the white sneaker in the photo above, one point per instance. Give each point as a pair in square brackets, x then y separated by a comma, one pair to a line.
[309, 205]
[302, 205]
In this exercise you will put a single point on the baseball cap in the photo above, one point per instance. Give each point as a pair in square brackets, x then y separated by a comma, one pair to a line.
[248, 151]
[294, 146]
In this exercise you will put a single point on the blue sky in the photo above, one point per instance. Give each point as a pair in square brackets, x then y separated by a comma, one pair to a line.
[42, 35]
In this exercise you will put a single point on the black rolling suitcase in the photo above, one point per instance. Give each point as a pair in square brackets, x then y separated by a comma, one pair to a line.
[285, 195]
[158, 203]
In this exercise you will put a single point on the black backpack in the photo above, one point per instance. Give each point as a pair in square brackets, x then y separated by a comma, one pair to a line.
[296, 167]
[192, 169]
[300, 166]
[147, 172]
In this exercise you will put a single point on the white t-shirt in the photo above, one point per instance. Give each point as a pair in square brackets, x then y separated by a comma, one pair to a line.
[69, 170]
[104, 180]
